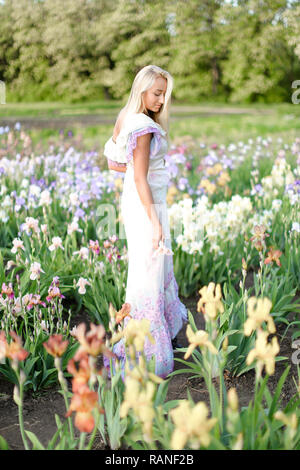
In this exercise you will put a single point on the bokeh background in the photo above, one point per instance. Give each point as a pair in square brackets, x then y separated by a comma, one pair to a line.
[70, 65]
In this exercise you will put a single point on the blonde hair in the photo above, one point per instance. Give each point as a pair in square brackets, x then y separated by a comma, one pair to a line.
[144, 80]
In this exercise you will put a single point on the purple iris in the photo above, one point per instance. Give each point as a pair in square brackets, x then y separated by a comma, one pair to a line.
[227, 163]
[80, 213]
[20, 201]
[182, 182]
[84, 198]
[258, 188]
[210, 160]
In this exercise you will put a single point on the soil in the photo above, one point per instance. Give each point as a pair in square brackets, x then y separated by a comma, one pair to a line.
[40, 408]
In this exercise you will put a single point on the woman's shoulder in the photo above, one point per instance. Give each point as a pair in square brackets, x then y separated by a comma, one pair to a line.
[138, 121]
[133, 119]
[132, 126]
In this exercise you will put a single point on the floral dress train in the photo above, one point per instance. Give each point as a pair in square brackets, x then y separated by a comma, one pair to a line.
[151, 290]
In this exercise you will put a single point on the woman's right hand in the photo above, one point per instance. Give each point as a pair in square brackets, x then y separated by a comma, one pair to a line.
[158, 236]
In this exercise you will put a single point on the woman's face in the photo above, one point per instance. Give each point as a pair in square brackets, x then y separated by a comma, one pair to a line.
[154, 97]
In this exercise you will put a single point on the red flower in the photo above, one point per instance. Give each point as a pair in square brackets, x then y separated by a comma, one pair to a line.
[81, 375]
[259, 233]
[53, 292]
[83, 404]
[93, 342]
[33, 299]
[94, 246]
[8, 290]
[12, 350]
[273, 255]
[124, 312]
[56, 346]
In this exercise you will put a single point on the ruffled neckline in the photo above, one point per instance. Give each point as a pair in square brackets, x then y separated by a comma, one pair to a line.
[163, 132]
[156, 123]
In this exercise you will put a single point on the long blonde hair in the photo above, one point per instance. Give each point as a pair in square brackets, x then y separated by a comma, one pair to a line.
[144, 80]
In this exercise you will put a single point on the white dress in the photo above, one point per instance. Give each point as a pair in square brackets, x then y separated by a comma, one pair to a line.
[151, 290]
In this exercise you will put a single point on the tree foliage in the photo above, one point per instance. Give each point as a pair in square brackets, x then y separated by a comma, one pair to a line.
[239, 51]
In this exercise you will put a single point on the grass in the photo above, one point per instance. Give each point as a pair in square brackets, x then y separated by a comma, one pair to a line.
[207, 121]
[53, 109]
[232, 128]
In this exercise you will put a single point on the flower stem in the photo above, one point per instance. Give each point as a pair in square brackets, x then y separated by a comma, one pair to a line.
[91, 441]
[19, 401]
[21, 421]
[63, 385]
[82, 440]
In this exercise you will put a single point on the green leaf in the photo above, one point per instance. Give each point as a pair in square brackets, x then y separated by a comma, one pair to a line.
[115, 379]
[231, 348]
[9, 373]
[277, 393]
[246, 369]
[3, 444]
[37, 445]
[161, 393]
[192, 321]
[169, 405]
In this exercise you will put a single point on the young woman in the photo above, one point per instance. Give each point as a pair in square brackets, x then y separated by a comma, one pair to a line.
[138, 146]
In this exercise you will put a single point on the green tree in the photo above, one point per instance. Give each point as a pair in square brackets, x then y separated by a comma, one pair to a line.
[259, 63]
[139, 35]
[243, 50]
[71, 38]
[25, 64]
[6, 38]
[292, 22]
[198, 47]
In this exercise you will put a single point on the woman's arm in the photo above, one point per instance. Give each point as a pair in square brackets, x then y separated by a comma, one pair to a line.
[116, 167]
[141, 166]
